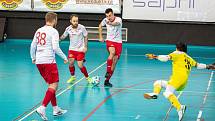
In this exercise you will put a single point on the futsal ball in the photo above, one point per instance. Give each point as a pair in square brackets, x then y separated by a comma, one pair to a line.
[96, 80]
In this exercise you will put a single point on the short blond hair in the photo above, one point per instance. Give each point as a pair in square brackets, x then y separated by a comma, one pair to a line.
[50, 16]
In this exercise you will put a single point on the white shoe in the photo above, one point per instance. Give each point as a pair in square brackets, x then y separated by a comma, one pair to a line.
[58, 111]
[181, 112]
[150, 96]
[41, 112]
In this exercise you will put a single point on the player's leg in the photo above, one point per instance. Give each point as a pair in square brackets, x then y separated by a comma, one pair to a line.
[50, 73]
[71, 67]
[115, 60]
[118, 51]
[50, 94]
[56, 110]
[110, 60]
[80, 61]
[169, 94]
[109, 72]
[158, 85]
[84, 71]
[54, 79]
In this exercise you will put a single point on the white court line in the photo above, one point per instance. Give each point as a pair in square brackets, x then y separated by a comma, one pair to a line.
[170, 108]
[205, 98]
[69, 87]
[141, 55]
[142, 89]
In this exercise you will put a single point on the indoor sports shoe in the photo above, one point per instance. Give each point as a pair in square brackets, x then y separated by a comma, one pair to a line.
[58, 111]
[108, 84]
[89, 80]
[181, 112]
[71, 79]
[150, 96]
[41, 112]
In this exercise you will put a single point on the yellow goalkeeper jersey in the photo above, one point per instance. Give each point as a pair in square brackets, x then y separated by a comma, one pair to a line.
[181, 67]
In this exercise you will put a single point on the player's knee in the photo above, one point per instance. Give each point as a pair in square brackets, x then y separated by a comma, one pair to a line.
[112, 52]
[166, 94]
[157, 82]
[71, 64]
[54, 86]
[80, 65]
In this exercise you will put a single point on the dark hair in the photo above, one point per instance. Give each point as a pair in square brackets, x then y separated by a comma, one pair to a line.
[108, 10]
[181, 46]
[73, 15]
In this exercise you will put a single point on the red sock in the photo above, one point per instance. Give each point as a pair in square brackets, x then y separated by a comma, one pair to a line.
[54, 101]
[84, 71]
[50, 93]
[72, 70]
[109, 65]
[110, 75]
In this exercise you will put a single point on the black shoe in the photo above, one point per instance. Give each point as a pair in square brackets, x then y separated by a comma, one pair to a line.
[107, 75]
[108, 84]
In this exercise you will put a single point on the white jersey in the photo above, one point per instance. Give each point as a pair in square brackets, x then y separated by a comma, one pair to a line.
[114, 33]
[45, 44]
[76, 37]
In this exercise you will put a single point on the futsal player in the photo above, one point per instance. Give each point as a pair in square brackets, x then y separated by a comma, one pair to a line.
[113, 42]
[78, 36]
[44, 46]
[182, 64]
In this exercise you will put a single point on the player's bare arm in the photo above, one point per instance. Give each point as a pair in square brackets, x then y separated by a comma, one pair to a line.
[211, 66]
[85, 44]
[62, 37]
[100, 33]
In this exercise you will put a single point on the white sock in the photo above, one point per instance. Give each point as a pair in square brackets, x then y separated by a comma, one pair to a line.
[55, 108]
[42, 108]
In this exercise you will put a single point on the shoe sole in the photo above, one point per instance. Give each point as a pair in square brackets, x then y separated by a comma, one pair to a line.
[147, 96]
[60, 114]
[108, 85]
[183, 113]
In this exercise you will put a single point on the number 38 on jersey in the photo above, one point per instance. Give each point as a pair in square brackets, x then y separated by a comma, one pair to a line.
[41, 38]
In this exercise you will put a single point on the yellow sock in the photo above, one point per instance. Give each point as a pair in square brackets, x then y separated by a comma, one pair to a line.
[157, 89]
[173, 99]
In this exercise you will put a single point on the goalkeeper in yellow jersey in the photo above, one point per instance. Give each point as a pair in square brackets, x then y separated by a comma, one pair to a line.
[182, 65]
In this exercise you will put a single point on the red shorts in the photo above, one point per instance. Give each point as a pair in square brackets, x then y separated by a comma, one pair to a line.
[49, 72]
[79, 56]
[117, 46]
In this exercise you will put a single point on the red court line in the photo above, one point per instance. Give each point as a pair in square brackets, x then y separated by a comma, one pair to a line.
[113, 94]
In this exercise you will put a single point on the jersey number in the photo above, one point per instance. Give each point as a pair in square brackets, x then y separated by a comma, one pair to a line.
[188, 64]
[41, 38]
